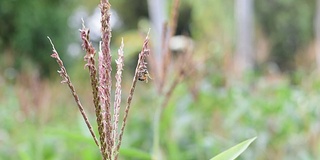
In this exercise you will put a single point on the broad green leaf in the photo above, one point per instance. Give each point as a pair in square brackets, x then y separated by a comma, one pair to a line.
[233, 152]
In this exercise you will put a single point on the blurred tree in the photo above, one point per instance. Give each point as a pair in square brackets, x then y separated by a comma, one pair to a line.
[184, 19]
[24, 26]
[131, 11]
[158, 19]
[288, 25]
[317, 33]
[244, 58]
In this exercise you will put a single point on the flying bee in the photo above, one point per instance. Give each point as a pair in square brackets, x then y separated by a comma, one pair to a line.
[143, 74]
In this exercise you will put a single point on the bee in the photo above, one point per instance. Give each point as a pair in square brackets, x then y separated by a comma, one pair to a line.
[143, 74]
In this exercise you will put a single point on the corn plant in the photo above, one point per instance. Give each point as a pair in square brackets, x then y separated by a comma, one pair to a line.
[107, 116]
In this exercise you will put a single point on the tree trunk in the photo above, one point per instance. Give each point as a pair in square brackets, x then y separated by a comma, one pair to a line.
[157, 17]
[244, 58]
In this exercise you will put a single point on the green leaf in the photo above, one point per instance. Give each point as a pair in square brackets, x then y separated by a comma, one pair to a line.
[235, 151]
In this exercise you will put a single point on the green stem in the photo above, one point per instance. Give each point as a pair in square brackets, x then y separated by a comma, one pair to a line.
[156, 133]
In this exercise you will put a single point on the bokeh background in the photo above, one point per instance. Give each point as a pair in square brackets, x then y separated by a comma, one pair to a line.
[255, 72]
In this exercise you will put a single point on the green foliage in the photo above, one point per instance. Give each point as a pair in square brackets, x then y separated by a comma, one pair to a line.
[283, 116]
[132, 153]
[211, 20]
[235, 151]
[131, 12]
[25, 25]
[289, 26]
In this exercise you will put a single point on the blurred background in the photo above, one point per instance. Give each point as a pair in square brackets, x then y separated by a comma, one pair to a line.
[248, 68]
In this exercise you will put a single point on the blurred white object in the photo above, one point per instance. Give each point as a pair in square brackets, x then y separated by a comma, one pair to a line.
[180, 44]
